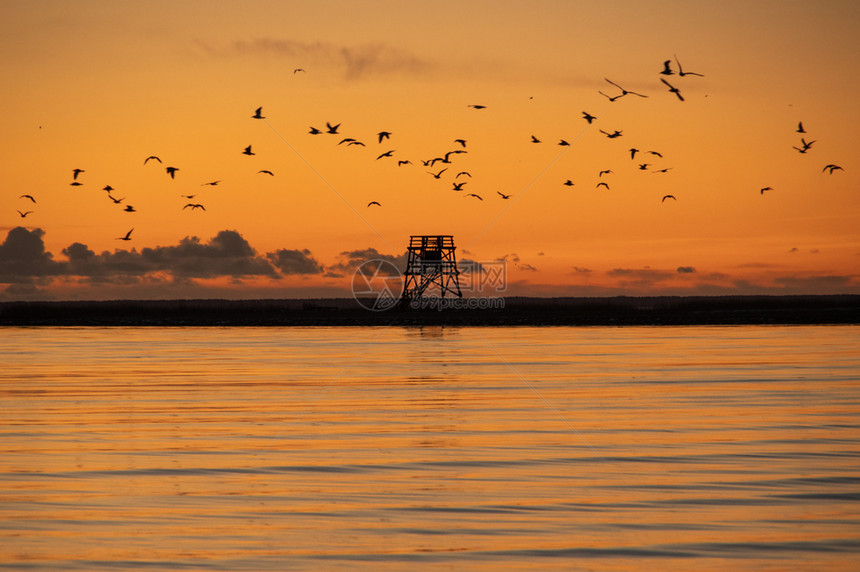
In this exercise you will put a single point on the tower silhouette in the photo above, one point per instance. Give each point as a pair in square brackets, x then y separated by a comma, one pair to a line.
[431, 262]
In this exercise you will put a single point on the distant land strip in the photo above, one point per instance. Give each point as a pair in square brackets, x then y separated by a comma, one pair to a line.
[517, 311]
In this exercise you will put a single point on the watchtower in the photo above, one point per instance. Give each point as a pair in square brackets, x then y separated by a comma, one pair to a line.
[431, 262]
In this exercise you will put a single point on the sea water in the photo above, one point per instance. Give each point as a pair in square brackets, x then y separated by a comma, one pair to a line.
[686, 448]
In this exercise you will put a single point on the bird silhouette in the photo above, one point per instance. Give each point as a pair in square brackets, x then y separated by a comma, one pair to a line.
[673, 89]
[76, 172]
[24, 214]
[605, 172]
[297, 70]
[248, 151]
[153, 157]
[568, 183]
[644, 166]
[668, 197]
[462, 142]
[564, 143]
[633, 152]
[75, 184]
[210, 184]
[588, 117]
[681, 71]
[383, 135]
[386, 154]
[602, 185]
[115, 200]
[464, 173]
[401, 163]
[535, 139]
[346, 140]
[666, 170]
[266, 172]
[189, 197]
[624, 91]
[474, 195]
[439, 174]
[667, 69]
[800, 128]
[127, 235]
[314, 131]
[610, 98]
[332, 128]
[172, 171]
[655, 153]
[194, 206]
[447, 158]
[831, 167]
[477, 106]
[258, 114]
[373, 203]
[612, 135]
[351, 143]
[806, 145]
[503, 195]
[108, 188]
[459, 186]
[34, 200]
[129, 209]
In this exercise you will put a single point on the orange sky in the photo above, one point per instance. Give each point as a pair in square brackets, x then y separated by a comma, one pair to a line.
[102, 85]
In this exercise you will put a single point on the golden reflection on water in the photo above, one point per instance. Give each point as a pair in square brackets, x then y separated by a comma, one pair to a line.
[469, 448]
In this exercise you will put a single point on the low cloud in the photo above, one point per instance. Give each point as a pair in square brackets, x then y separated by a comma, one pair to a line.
[685, 270]
[295, 261]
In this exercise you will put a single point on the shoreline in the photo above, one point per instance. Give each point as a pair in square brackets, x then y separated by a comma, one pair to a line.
[517, 311]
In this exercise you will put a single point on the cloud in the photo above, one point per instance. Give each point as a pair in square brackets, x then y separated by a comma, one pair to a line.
[355, 62]
[295, 261]
[685, 270]
[23, 257]
[370, 259]
[581, 270]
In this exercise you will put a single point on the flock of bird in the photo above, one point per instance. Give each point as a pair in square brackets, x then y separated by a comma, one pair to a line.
[445, 159]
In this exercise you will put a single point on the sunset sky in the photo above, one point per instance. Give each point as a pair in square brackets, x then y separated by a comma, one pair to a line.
[102, 85]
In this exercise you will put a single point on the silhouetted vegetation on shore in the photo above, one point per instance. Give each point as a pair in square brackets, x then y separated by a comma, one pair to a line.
[617, 311]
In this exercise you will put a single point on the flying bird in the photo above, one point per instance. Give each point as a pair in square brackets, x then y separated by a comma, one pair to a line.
[189, 197]
[462, 142]
[763, 189]
[76, 172]
[34, 200]
[602, 185]
[297, 70]
[355, 143]
[75, 184]
[401, 163]
[477, 106]
[194, 206]
[681, 71]
[535, 139]
[172, 170]
[464, 173]
[633, 152]
[473, 195]
[247, 151]
[108, 188]
[332, 128]
[314, 131]
[373, 203]
[612, 135]
[210, 184]
[608, 97]
[606, 172]
[588, 117]
[831, 167]
[568, 183]
[383, 135]
[258, 114]
[386, 154]
[644, 166]
[346, 140]
[655, 153]
[666, 170]
[127, 236]
[115, 200]
[624, 91]
[564, 143]
[668, 197]
[145, 161]
[503, 195]
[800, 128]
[24, 214]
[265, 172]
[667, 70]
[459, 186]
[439, 174]
[673, 89]
[129, 209]
[806, 145]
[449, 153]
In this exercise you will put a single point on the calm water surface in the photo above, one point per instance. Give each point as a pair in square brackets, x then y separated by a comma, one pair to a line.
[689, 448]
